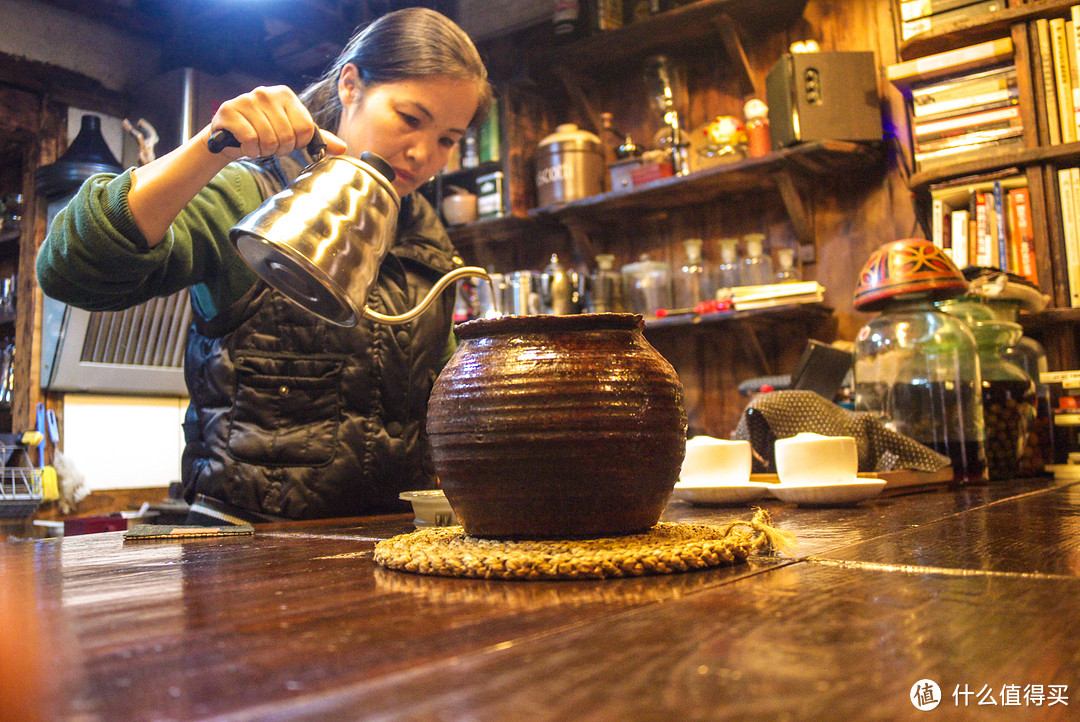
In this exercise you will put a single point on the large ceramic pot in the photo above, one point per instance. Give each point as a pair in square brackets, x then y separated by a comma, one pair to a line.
[557, 426]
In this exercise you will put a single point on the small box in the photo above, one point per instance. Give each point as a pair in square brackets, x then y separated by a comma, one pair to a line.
[489, 192]
[621, 173]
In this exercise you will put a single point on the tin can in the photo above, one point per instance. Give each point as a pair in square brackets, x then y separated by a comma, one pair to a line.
[489, 201]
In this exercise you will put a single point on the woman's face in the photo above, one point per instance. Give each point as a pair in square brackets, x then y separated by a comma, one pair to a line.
[413, 123]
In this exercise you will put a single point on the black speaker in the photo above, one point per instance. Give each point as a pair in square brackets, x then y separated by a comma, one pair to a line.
[823, 96]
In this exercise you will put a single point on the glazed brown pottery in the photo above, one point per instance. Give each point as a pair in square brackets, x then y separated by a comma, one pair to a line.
[557, 427]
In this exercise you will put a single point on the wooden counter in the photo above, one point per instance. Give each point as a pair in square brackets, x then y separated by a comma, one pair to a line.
[976, 589]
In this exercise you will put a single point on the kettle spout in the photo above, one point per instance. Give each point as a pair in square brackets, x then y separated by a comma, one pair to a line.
[440, 285]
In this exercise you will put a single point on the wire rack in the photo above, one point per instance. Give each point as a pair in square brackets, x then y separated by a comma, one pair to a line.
[20, 487]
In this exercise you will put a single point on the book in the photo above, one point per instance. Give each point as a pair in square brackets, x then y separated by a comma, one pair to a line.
[1063, 79]
[1073, 27]
[1023, 236]
[960, 232]
[914, 9]
[970, 121]
[951, 62]
[948, 156]
[971, 104]
[1046, 65]
[953, 91]
[983, 255]
[911, 28]
[971, 140]
[1000, 227]
[1069, 227]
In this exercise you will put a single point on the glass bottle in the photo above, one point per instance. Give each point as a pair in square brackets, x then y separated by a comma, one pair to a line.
[917, 368]
[758, 142]
[728, 272]
[787, 271]
[757, 268]
[692, 285]
[605, 286]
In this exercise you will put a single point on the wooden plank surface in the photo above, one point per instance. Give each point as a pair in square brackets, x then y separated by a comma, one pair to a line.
[971, 586]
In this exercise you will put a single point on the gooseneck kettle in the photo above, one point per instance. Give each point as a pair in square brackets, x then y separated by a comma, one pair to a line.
[320, 240]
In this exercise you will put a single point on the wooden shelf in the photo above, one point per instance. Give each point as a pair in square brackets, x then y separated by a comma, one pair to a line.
[674, 28]
[789, 312]
[981, 28]
[1065, 152]
[1050, 317]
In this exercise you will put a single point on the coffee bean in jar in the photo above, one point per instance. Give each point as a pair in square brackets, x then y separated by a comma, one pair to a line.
[1008, 396]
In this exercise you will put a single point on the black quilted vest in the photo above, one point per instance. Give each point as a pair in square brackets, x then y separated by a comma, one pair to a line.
[296, 417]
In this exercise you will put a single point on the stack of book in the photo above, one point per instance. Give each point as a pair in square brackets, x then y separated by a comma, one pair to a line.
[1055, 60]
[776, 294]
[964, 102]
[1069, 188]
[986, 221]
[920, 16]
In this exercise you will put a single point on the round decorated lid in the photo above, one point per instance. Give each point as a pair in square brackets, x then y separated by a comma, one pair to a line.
[907, 267]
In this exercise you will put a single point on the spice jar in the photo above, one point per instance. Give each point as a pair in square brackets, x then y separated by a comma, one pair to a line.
[917, 367]
[758, 142]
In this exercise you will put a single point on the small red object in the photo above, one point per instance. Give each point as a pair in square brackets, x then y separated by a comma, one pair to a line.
[661, 312]
[766, 389]
[1067, 402]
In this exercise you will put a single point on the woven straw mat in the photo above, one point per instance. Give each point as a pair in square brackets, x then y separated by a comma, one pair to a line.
[665, 549]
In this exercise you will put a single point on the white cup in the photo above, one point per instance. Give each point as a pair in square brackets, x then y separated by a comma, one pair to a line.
[815, 459]
[710, 461]
[459, 208]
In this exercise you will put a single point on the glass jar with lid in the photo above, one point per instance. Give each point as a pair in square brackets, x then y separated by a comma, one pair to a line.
[916, 367]
[1008, 398]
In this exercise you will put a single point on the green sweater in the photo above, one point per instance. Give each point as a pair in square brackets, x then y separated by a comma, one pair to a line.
[96, 258]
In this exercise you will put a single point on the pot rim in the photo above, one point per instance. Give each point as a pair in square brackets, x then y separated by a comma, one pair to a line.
[545, 324]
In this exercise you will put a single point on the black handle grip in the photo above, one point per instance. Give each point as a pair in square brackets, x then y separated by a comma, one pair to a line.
[379, 163]
[222, 139]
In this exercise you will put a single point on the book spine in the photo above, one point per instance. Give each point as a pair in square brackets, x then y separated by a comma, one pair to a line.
[914, 9]
[970, 121]
[959, 221]
[972, 56]
[1000, 218]
[911, 28]
[1025, 235]
[971, 104]
[961, 86]
[1063, 79]
[982, 231]
[986, 134]
[1046, 61]
[937, 223]
[1068, 223]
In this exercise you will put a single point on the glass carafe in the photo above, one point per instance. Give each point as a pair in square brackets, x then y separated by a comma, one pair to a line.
[917, 368]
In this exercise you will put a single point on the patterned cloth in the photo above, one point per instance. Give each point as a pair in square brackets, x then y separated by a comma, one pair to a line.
[781, 414]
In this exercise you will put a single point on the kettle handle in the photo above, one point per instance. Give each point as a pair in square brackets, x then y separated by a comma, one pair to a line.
[222, 139]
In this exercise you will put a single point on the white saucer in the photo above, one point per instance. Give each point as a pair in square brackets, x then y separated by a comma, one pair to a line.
[697, 492]
[834, 494]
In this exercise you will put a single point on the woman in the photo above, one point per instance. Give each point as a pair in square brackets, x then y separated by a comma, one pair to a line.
[290, 416]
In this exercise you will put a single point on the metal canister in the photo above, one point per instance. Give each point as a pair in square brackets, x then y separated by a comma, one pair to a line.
[569, 166]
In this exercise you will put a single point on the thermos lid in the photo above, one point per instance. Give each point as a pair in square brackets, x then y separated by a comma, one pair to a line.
[569, 137]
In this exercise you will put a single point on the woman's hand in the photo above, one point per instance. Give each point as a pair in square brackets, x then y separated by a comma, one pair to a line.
[269, 121]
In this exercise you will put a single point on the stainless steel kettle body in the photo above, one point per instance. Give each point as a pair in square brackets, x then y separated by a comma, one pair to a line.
[321, 240]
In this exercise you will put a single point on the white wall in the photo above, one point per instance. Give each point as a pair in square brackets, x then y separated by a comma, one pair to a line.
[57, 37]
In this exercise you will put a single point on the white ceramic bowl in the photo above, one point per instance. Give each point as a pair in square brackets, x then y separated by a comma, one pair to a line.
[430, 508]
[837, 494]
[459, 208]
[815, 459]
[710, 461]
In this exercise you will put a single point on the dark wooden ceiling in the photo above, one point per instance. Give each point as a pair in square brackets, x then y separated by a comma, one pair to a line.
[287, 41]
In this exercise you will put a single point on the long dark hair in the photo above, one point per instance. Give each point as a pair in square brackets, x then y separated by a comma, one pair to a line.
[402, 45]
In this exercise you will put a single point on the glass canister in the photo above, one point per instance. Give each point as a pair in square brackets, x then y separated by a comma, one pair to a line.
[917, 367]
[692, 284]
[605, 286]
[647, 286]
[1008, 396]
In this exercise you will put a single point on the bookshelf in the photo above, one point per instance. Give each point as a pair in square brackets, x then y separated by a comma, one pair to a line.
[1038, 153]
